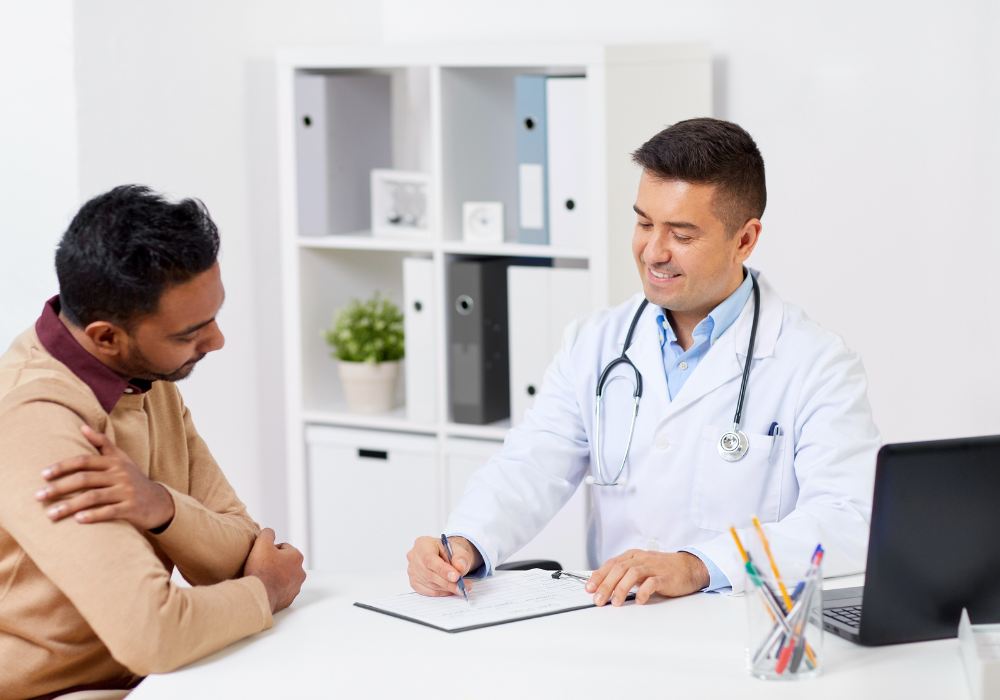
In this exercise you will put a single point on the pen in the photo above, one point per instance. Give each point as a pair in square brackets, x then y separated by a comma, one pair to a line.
[774, 430]
[578, 577]
[812, 561]
[461, 581]
[774, 566]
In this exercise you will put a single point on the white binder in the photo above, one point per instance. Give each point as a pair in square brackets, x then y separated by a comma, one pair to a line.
[310, 154]
[541, 302]
[418, 325]
[566, 103]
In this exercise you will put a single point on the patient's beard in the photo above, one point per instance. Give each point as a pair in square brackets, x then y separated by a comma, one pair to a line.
[138, 366]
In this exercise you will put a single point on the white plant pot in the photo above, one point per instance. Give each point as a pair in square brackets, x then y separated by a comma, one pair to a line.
[369, 388]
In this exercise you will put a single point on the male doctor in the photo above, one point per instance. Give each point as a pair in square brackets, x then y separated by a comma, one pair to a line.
[662, 525]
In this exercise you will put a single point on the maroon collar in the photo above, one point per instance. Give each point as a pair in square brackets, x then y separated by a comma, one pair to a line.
[107, 386]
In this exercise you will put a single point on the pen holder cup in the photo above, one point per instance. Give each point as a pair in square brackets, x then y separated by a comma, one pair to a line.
[785, 644]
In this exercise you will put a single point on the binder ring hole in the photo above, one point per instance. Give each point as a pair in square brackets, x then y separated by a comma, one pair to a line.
[307, 120]
[417, 306]
[529, 123]
[464, 305]
[531, 390]
[570, 204]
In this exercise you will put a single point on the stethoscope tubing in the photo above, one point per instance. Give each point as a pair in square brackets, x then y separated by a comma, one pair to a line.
[603, 380]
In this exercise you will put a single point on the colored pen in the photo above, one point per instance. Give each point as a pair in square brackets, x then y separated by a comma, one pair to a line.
[461, 581]
[812, 561]
[774, 566]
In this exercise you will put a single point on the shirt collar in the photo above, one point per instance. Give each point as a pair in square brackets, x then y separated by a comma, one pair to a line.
[107, 386]
[718, 320]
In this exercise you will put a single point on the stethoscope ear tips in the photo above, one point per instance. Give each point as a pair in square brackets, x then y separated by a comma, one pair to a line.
[589, 481]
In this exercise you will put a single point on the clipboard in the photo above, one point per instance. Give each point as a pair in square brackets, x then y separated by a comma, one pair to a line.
[509, 596]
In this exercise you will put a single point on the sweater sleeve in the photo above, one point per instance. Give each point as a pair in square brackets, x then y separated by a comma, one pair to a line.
[211, 534]
[108, 570]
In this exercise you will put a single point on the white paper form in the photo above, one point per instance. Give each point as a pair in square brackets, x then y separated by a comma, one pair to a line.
[506, 597]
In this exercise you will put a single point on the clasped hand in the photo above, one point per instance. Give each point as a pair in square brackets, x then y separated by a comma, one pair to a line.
[671, 574]
[105, 486]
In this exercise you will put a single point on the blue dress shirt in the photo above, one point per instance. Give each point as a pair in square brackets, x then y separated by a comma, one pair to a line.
[678, 364]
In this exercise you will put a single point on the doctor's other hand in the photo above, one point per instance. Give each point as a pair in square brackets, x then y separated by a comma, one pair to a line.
[279, 567]
[672, 574]
[429, 570]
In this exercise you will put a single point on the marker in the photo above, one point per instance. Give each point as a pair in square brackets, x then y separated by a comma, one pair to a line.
[461, 581]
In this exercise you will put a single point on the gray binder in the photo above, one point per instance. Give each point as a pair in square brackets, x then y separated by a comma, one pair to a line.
[478, 366]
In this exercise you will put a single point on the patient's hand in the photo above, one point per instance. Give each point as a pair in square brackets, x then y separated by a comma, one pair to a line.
[106, 486]
[279, 567]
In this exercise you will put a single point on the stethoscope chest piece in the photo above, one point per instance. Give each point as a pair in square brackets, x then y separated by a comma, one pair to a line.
[733, 445]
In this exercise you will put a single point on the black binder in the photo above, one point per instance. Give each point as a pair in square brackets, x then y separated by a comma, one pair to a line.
[478, 362]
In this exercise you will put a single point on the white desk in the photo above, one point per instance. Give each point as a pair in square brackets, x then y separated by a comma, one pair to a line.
[325, 647]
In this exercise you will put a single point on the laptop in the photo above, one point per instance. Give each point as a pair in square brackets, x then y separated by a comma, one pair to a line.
[934, 546]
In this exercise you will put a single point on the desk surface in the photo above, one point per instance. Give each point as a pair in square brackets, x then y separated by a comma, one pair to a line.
[324, 646]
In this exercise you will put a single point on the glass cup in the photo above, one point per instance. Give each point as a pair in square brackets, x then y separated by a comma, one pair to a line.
[785, 644]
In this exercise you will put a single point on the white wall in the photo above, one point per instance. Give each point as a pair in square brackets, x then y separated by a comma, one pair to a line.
[180, 96]
[38, 166]
[878, 125]
[877, 122]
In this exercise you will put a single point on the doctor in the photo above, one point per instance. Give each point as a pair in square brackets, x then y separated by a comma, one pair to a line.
[662, 524]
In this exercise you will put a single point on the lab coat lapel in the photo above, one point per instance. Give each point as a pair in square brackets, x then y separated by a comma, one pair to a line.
[724, 360]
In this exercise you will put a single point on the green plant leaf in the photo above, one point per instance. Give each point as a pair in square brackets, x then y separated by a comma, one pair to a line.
[370, 331]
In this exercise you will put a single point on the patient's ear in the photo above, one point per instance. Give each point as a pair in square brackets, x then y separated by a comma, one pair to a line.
[107, 338]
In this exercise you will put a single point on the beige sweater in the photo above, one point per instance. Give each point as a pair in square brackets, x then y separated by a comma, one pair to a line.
[86, 603]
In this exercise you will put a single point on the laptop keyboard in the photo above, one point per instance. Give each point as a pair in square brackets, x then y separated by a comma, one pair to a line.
[849, 615]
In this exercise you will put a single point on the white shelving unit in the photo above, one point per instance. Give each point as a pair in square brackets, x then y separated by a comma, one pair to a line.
[452, 116]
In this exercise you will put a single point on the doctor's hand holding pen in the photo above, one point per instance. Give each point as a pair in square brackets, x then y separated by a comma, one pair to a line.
[671, 574]
[429, 569]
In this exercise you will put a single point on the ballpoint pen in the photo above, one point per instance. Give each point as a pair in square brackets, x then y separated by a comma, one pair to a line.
[461, 581]
[578, 577]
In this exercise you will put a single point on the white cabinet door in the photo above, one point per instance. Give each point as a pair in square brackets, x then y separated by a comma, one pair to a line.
[371, 493]
[563, 539]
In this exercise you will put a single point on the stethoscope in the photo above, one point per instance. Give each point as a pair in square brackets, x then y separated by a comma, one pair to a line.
[731, 446]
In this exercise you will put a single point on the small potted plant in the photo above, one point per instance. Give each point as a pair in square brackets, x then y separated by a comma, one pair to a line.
[367, 338]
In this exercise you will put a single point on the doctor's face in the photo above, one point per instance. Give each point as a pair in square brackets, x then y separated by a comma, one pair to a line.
[687, 261]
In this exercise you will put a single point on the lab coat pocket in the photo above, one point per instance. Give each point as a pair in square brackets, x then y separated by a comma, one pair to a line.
[731, 493]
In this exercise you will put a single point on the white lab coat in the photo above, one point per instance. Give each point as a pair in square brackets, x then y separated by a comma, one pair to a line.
[812, 485]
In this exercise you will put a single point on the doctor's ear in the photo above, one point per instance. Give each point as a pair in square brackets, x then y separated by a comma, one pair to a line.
[747, 237]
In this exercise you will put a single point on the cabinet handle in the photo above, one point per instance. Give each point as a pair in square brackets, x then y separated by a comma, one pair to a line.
[373, 454]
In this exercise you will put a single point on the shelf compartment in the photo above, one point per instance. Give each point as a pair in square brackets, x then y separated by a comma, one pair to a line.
[517, 250]
[329, 279]
[394, 420]
[363, 240]
[492, 431]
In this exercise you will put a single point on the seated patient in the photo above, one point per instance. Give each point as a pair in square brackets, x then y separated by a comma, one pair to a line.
[105, 485]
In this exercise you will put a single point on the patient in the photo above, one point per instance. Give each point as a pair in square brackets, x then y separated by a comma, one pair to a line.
[105, 485]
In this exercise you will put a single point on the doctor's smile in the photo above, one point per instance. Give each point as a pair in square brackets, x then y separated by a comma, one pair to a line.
[707, 364]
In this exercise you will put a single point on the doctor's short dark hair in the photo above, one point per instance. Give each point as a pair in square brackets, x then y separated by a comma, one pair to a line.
[124, 248]
[709, 151]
